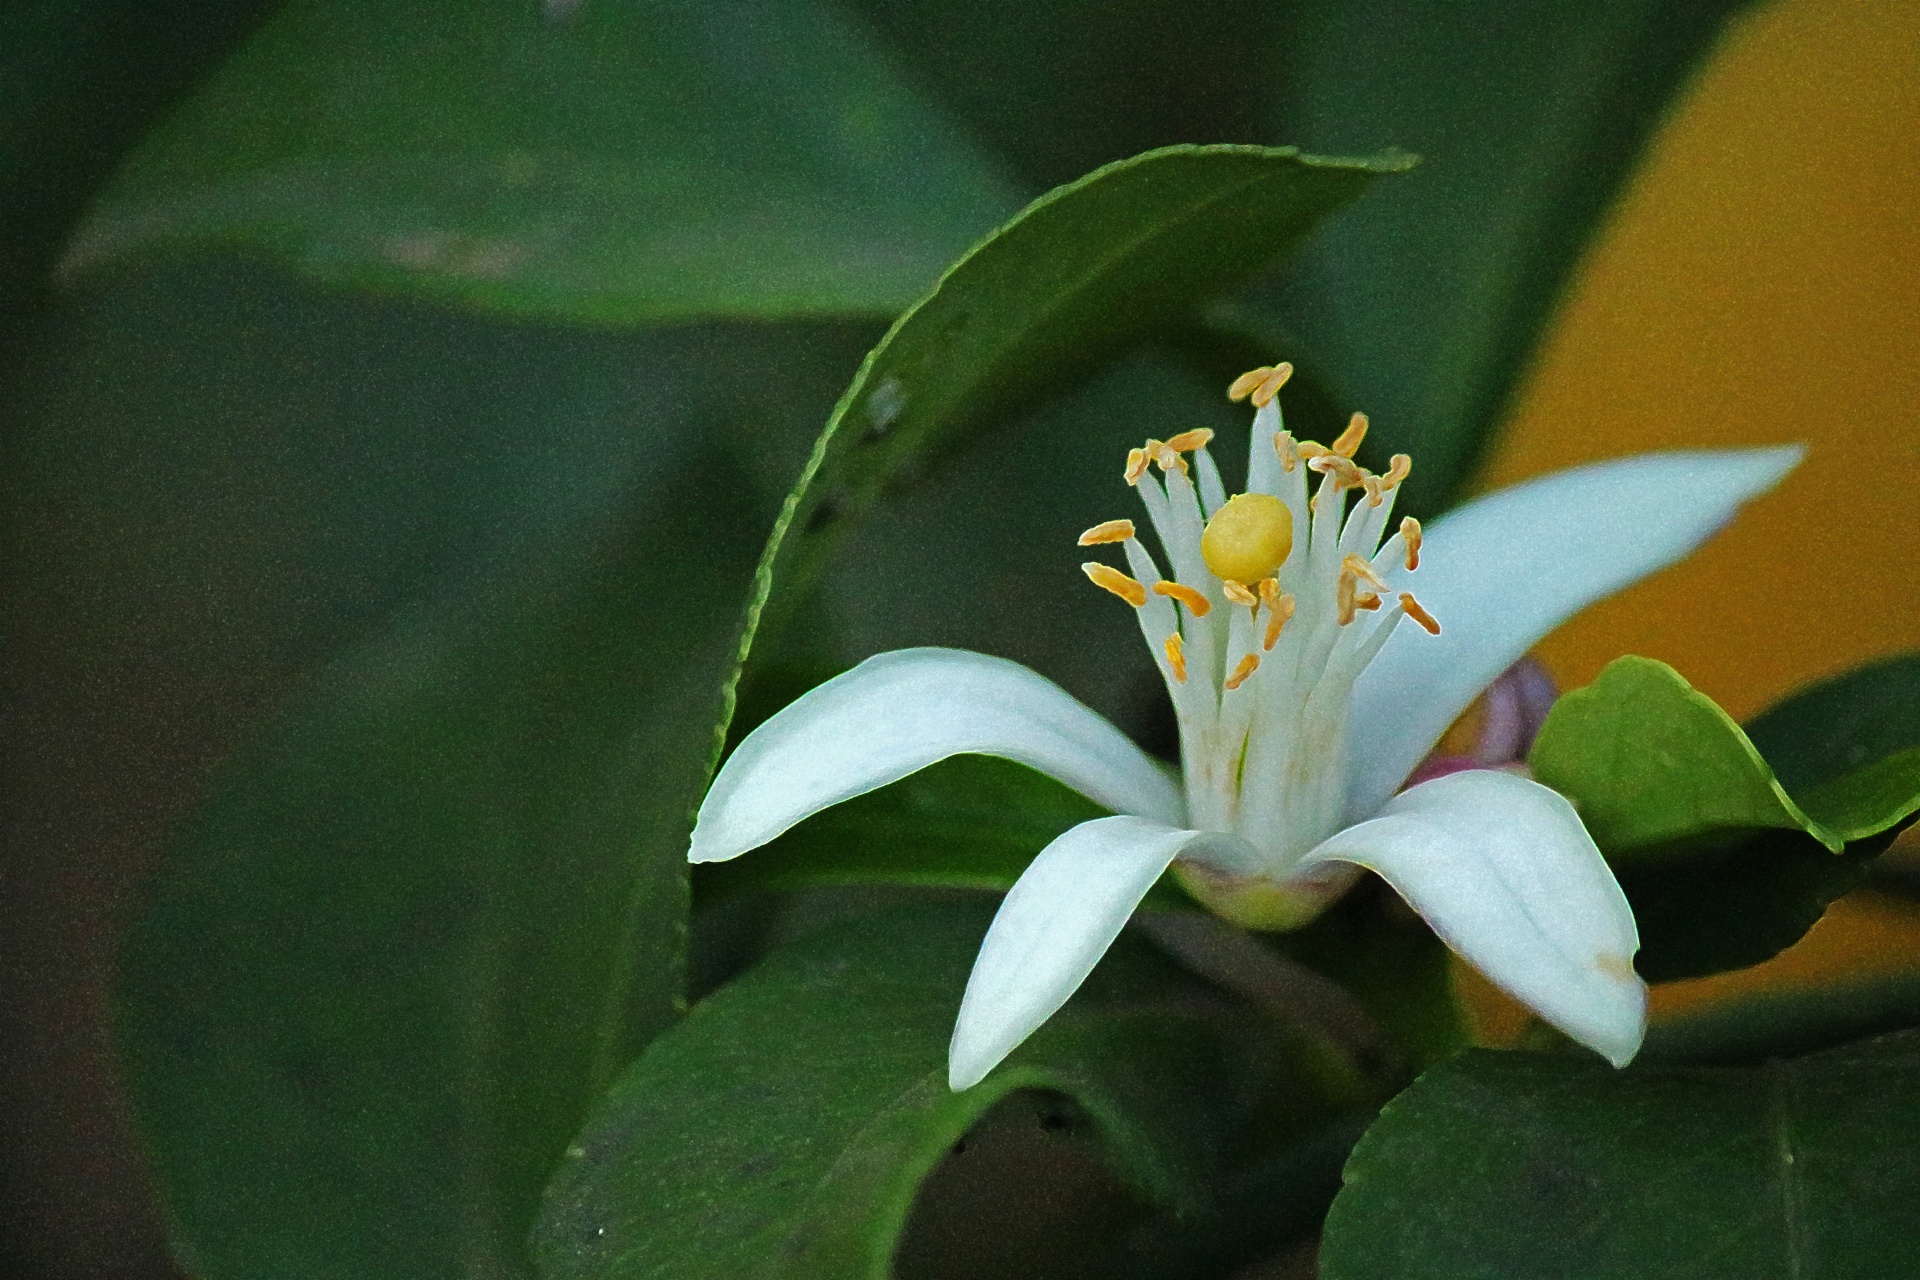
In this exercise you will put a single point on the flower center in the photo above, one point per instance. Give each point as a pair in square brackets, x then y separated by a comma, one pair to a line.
[1277, 601]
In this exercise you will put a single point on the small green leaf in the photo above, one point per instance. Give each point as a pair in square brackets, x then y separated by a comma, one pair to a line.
[782, 1128]
[1724, 868]
[1856, 734]
[605, 163]
[1647, 758]
[1499, 1165]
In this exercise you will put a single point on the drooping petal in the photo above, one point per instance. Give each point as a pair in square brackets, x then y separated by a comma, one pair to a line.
[1502, 571]
[1506, 875]
[899, 712]
[1052, 928]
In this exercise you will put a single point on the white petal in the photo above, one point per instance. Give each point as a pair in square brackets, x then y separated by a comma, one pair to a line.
[1502, 571]
[1052, 928]
[1506, 875]
[900, 712]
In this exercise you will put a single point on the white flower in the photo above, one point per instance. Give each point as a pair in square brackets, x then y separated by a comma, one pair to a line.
[1303, 705]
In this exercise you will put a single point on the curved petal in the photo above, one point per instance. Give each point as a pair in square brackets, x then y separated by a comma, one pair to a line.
[1502, 571]
[1053, 926]
[1506, 875]
[899, 712]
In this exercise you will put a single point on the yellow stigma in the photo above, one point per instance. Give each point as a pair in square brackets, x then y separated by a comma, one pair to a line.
[1249, 538]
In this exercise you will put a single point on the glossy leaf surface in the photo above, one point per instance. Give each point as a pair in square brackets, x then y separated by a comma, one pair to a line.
[782, 1128]
[685, 159]
[1519, 1164]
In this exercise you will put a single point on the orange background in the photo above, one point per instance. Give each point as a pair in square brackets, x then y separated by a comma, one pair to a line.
[1760, 282]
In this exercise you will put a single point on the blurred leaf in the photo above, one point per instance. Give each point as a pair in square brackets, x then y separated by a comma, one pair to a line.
[783, 1127]
[1520, 1164]
[1061, 88]
[1529, 118]
[78, 85]
[610, 163]
[1753, 1026]
[1072, 282]
[1843, 725]
[1707, 844]
[486, 581]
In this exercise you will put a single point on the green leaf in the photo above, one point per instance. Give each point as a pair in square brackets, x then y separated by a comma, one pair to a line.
[78, 85]
[1647, 758]
[783, 1127]
[1724, 868]
[1856, 732]
[1521, 1164]
[1074, 280]
[607, 163]
[1428, 306]
[484, 582]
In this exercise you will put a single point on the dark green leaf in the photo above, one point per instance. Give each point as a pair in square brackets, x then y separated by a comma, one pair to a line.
[1529, 117]
[1840, 726]
[1499, 1165]
[1723, 866]
[611, 163]
[78, 85]
[488, 578]
[782, 1128]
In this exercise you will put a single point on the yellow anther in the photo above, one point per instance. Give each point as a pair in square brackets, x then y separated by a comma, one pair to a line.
[1362, 571]
[1410, 530]
[1269, 589]
[1138, 461]
[1397, 470]
[1278, 612]
[1238, 593]
[1248, 538]
[1246, 667]
[1197, 438]
[1375, 494]
[1284, 446]
[1369, 602]
[1260, 385]
[1197, 605]
[1107, 531]
[1311, 449]
[1115, 581]
[1345, 474]
[1177, 657]
[1169, 459]
[1349, 442]
[1419, 615]
[1343, 595]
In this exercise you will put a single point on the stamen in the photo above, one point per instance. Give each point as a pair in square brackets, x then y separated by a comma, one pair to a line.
[1419, 615]
[1113, 580]
[1238, 593]
[1369, 602]
[1362, 572]
[1343, 595]
[1311, 449]
[1107, 531]
[1284, 446]
[1345, 474]
[1168, 458]
[1197, 438]
[1375, 494]
[1177, 657]
[1270, 385]
[1410, 530]
[1349, 442]
[1198, 605]
[1397, 469]
[1248, 665]
[1138, 461]
[1242, 387]
[1278, 613]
